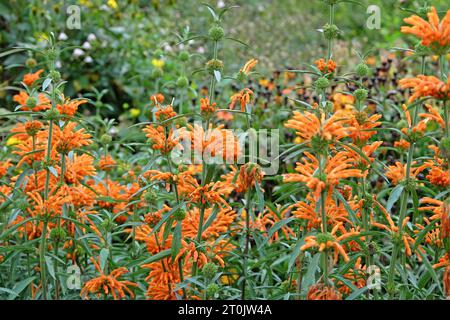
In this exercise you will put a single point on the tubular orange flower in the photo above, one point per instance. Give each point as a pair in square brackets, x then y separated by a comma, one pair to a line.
[206, 108]
[321, 291]
[326, 67]
[338, 167]
[78, 167]
[30, 78]
[362, 126]
[69, 138]
[42, 103]
[397, 173]
[249, 175]
[244, 97]
[434, 34]
[249, 65]
[70, 107]
[433, 114]
[325, 241]
[426, 86]
[308, 125]
[108, 283]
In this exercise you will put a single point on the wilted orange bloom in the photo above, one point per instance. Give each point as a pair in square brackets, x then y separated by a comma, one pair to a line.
[308, 125]
[42, 102]
[108, 284]
[338, 167]
[244, 97]
[30, 78]
[321, 291]
[426, 86]
[249, 65]
[397, 173]
[326, 67]
[433, 33]
[324, 241]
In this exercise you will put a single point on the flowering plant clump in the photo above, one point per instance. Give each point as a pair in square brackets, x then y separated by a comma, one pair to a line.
[178, 198]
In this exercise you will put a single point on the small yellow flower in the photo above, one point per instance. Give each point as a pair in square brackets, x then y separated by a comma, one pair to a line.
[13, 141]
[298, 140]
[113, 4]
[135, 112]
[158, 63]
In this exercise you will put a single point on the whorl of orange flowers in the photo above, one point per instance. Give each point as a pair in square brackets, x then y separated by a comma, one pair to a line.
[244, 97]
[326, 66]
[108, 284]
[30, 78]
[426, 86]
[320, 291]
[433, 33]
[338, 167]
[308, 125]
[249, 175]
[445, 220]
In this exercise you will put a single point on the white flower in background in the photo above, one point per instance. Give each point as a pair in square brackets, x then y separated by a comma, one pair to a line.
[167, 48]
[113, 131]
[91, 37]
[201, 50]
[86, 45]
[58, 64]
[88, 59]
[220, 4]
[78, 52]
[62, 36]
[181, 46]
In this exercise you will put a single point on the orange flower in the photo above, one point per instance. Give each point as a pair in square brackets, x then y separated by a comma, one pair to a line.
[78, 167]
[244, 97]
[249, 175]
[434, 34]
[438, 176]
[70, 107]
[164, 113]
[321, 291]
[362, 126]
[109, 284]
[338, 167]
[426, 86]
[206, 108]
[249, 65]
[447, 282]
[402, 144]
[157, 98]
[30, 78]
[433, 114]
[397, 173]
[326, 67]
[69, 138]
[325, 241]
[308, 125]
[159, 140]
[106, 163]
[42, 102]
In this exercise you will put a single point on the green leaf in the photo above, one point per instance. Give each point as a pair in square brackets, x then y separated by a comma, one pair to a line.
[50, 266]
[176, 240]
[104, 254]
[393, 198]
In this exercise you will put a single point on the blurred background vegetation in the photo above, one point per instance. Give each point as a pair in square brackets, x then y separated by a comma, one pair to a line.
[127, 50]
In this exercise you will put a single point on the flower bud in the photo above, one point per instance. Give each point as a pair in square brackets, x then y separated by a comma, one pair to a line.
[209, 270]
[214, 65]
[362, 70]
[216, 33]
[179, 215]
[212, 289]
[52, 114]
[184, 56]
[105, 139]
[58, 234]
[182, 82]
[330, 31]
[360, 94]
[55, 75]
[31, 102]
[31, 63]
[322, 83]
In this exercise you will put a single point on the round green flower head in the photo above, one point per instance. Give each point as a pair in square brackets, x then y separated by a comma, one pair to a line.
[216, 33]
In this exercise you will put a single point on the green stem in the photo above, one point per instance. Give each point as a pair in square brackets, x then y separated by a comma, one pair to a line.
[247, 242]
